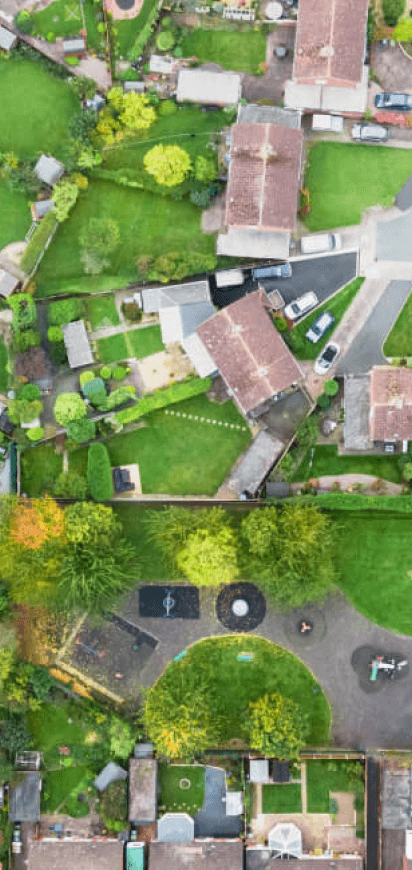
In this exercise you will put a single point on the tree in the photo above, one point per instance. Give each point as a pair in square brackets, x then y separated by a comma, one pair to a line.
[25, 339]
[55, 334]
[14, 735]
[205, 169]
[101, 236]
[25, 180]
[81, 125]
[115, 98]
[32, 365]
[331, 388]
[64, 197]
[176, 728]
[170, 528]
[33, 523]
[83, 87]
[68, 407]
[278, 726]
[81, 430]
[209, 559]
[392, 11]
[137, 113]
[23, 411]
[24, 311]
[99, 474]
[169, 164]
[29, 392]
[87, 158]
[69, 484]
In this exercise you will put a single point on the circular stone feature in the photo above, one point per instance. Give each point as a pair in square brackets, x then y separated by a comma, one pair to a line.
[184, 783]
[274, 10]
[240, 606]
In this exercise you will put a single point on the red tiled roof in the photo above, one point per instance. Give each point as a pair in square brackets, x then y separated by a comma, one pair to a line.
[391, 404]
[264, 177]
[330, 41]
[249, 352]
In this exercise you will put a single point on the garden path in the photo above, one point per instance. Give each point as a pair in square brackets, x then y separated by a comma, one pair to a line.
[107, 331]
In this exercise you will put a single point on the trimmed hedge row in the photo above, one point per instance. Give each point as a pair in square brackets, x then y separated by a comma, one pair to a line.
[38, 242]
[169, 396]
[99, 474]
[144, 35]
[355, 502]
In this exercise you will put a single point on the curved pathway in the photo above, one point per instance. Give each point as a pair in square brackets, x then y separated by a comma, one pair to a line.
[360, 720]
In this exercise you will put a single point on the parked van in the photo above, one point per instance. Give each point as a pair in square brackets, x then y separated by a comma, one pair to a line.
[283, 270]
[319, 327]
[320, 243]
[229, 278]
[331, 123]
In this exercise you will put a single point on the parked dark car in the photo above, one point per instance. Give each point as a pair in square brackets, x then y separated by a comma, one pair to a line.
[284, 270]
[393, 101]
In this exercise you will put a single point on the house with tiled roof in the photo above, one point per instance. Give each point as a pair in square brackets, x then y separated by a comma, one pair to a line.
[249, 352]
[378, 407]
[262, 192]
[329, 72]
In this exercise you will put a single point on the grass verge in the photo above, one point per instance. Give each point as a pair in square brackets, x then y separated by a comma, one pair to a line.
[14, 216]
[176, 798]
[337, 305]
[327, 461]
[399, 340]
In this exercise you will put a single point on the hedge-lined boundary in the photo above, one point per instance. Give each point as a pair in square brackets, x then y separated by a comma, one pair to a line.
[136, 50]
[353, 502]
[169, 396]
[99, 473]
[39, 242]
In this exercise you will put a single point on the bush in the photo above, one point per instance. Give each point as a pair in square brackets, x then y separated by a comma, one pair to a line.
[331, 388]
[167, 107]
[403, 30]
[323, 402]
[69, 484]
[69, 407]
[86, 376]
[24, 310]
[116, 398]
[24, 21]
[392, 11]
[81, 430]
[64, 311]
[169, 396]
[72, 61]
[58, 352]
[35, 434]
[114, 801]
[105, 373]
[281, 324]
[50, 37]
[23, 341]
[99, 474]
[119, 373]
[55, 333]
[178, 51]
[132, 311]
[38, 242]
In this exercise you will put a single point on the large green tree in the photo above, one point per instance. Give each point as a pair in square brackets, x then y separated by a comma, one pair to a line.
[209, 559]
[69, 407]
[178, 723]
[278, 726]
[171, 528]
[169, 164]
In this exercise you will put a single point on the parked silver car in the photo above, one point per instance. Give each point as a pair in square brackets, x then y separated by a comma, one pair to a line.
[301, 305]
[369, 133]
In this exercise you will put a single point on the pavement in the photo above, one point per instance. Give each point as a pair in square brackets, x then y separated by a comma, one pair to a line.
[393, 241]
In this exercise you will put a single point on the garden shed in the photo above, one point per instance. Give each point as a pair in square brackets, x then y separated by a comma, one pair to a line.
[49, 170]
[259, 770]
[111, 773]
[210, 88]
[8, 283]
[24, 798]
[7, 39]
[142, 791]
[74, 46]
[77, 344]
[40, 208]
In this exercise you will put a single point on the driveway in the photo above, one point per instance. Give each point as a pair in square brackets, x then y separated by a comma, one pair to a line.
[212, 820]
[365, 350]
[392, 68]
[393, 238]
[324, 275]
[271, 86]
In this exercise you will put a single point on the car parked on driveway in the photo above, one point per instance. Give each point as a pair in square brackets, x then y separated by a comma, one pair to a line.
[369, 133]
[319, 327]
[283, 270]
[393, 101]
[16, 839]
[301, 305]
[326, 359]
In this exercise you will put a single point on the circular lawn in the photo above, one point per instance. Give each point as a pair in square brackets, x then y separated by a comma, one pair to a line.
[230, 672]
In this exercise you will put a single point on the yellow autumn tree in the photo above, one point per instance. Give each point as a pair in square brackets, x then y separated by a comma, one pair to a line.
[33, 523]
[169, 164]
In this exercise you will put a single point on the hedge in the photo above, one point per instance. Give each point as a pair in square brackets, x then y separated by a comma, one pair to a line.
[38, 242]
[64, 311]
[169, 396]
[117, 397]
[99, 474]
[355, 502]
[144, 35]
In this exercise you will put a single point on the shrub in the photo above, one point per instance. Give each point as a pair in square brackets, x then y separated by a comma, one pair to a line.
[132, 311]
[24, 310]
[38, 242]
[69, 484]
[29, 392]
[58, 352]
[281, 324]
[99, 475]
[55, 333]
[323, 402]
[64, 311]
[23, 341]
[24, 21]
[105, 373]
[154, 401]
[392, 10]
[119, 372]
[167, 107]
[331, 388]
[35, 434]
[178, 51]
[116, 398]
[51, 36]
[68, 407]
[403, 30]
[86, 376]
[81, 430]
[72, 61]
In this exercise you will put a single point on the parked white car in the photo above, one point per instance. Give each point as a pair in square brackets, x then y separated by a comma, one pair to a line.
[301, 305]
[369, 133]
[327, 358]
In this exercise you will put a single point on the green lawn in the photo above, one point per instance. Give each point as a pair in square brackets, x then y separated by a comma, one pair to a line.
[176, 799]
[148, 224]
[102, 312]
[113, 348]
[15, 216]
[143, 342]
[40, 466]
[236, 683]
[128, 30]
[242, 51]
[327, 461]
[69, 20]
[51, 727]
[374, 561]
[344, 180]
[295, 339]
[59, 784]
[323, 777]
[35, 109]
[178, 456]
[399, 340]
[4, 376]
[282, 798]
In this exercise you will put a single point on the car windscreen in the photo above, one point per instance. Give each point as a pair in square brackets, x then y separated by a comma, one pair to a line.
[329, 354]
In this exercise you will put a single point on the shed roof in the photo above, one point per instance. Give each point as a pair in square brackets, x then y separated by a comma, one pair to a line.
[259, 770]
[251, 114]
[175, 828]
[74, 45]
[204, 86]
[390, 403]
[179, 321]
[198, 355]
[42, 207]
[72, 854]
[264, 177]
[155, 298]
[138, 87]
[24, 800]
[111, 773]
[209, 855]
[48, 170]
[330, 41]
[255, 464]
[8, 283]
[77, 344]
[249, 352]
[142, 790]
[7, 39]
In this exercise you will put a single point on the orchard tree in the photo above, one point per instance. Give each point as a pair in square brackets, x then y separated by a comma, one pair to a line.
[278, 726]
[209, 559]
[101, 236]
[68, 407]
[169, 164]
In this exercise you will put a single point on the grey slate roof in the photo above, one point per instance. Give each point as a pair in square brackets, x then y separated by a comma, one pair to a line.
[7, 39]
[175, 828]
[256, 464]
[179, 321]
[155, 298]
[253, 243]
[48, 170]
[357, 410]
[74, 45]
[42, 207]
[111, 773]
[8, 283]
[77, 344]
[24, 800]
[251, 114]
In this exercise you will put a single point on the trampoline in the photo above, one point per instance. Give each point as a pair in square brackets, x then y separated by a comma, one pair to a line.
[169, 602]
[240, 607]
